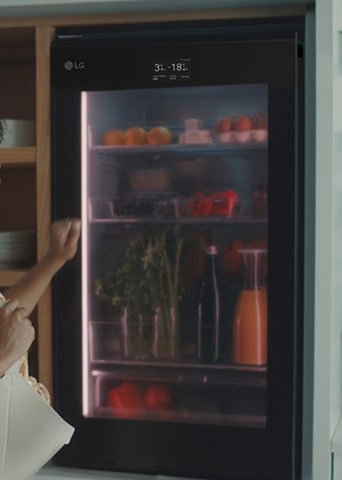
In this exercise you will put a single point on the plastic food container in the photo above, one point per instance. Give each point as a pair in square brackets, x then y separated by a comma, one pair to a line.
[150, 180]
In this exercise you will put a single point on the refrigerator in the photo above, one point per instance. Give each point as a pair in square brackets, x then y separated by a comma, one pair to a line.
[178, 326]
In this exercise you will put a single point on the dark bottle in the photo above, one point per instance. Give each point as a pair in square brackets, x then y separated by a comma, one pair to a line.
[209, 310]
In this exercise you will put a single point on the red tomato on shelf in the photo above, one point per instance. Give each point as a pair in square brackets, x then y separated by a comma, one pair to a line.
[223, 125]
[125, 400]
[242, 123]
[157, 397]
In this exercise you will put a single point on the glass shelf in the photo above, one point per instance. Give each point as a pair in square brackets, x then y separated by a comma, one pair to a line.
[184, 221]
[183, 149]
[182, 373]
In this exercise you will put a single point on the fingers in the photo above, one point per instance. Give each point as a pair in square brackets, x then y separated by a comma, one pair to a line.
[16, 332]
[20, 315]
[68, 228]
[11, 305]
[25, 323]
[12, 309]
[68, 223]
[74, 229]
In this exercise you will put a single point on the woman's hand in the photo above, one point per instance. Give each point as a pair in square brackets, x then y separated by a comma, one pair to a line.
[64, 242]
[64, 239]
[16, 334]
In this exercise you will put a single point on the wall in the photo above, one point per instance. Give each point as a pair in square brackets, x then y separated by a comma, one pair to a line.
[328, 305]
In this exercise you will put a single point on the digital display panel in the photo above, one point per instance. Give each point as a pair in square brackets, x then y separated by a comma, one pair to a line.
[171, 69]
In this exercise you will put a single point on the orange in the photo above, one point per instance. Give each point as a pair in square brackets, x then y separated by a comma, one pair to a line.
[159, 136]
[135, 136]
[113, 137]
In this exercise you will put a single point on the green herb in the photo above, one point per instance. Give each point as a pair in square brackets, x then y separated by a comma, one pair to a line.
[149, 279]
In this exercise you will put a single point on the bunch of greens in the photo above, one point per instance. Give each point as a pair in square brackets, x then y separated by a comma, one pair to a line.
[149, 274]
[148, 279]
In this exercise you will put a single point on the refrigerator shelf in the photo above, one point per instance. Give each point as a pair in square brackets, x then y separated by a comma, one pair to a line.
[217, 221]
[175, 416]
[169, 207]
[178, 148]
[188, 365]
[183, 376]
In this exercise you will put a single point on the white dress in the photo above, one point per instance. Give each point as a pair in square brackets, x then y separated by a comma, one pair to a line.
[31, 431]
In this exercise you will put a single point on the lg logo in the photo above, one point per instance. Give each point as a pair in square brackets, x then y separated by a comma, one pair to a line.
[69, 65]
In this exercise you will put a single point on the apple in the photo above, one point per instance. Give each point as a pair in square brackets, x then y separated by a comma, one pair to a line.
[224, 125]
[125, 399]
[243, 123]
[157, 397]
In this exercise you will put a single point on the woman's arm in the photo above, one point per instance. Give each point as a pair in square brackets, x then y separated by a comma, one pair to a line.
[64, 243]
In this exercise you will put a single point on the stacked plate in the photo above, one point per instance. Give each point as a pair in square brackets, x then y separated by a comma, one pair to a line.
[17, 248]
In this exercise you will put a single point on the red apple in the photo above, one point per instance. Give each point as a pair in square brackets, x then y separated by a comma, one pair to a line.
[157, 397]
[243, 123]
[223, 125]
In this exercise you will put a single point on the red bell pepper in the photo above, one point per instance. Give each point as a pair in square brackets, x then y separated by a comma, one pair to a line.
[223, 203]
[199, 205]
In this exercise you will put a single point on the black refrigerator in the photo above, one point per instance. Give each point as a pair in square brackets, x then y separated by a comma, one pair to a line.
[178, 326]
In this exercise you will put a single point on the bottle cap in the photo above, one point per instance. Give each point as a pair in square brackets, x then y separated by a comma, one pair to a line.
[211, 249]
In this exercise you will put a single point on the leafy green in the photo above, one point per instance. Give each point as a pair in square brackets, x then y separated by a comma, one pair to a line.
[149, 280]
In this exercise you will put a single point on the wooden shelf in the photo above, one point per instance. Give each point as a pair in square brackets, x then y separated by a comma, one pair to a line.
[13, 157]
[9, 277]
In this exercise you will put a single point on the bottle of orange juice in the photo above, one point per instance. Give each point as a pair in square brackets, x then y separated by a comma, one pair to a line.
[250, 316]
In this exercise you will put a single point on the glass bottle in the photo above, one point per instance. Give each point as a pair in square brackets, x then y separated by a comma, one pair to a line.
[260, 201]
[209, 310]
[250, 316]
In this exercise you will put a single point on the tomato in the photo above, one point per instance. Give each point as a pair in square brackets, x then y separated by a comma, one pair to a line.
[261, 121]
[243, 123]
[157, 397]
[223, 125]
[125, 399]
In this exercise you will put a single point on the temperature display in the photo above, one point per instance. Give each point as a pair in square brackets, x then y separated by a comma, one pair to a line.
[171, 69]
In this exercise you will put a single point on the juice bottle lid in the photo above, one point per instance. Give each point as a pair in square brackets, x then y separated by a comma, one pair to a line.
[211, 249]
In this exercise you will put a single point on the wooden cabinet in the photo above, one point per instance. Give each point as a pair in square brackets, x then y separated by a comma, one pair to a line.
[25, 171]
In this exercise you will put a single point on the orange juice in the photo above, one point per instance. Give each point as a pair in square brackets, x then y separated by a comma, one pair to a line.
[250, 328]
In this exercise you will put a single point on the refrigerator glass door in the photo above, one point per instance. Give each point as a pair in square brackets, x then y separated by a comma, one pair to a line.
[166, 173]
